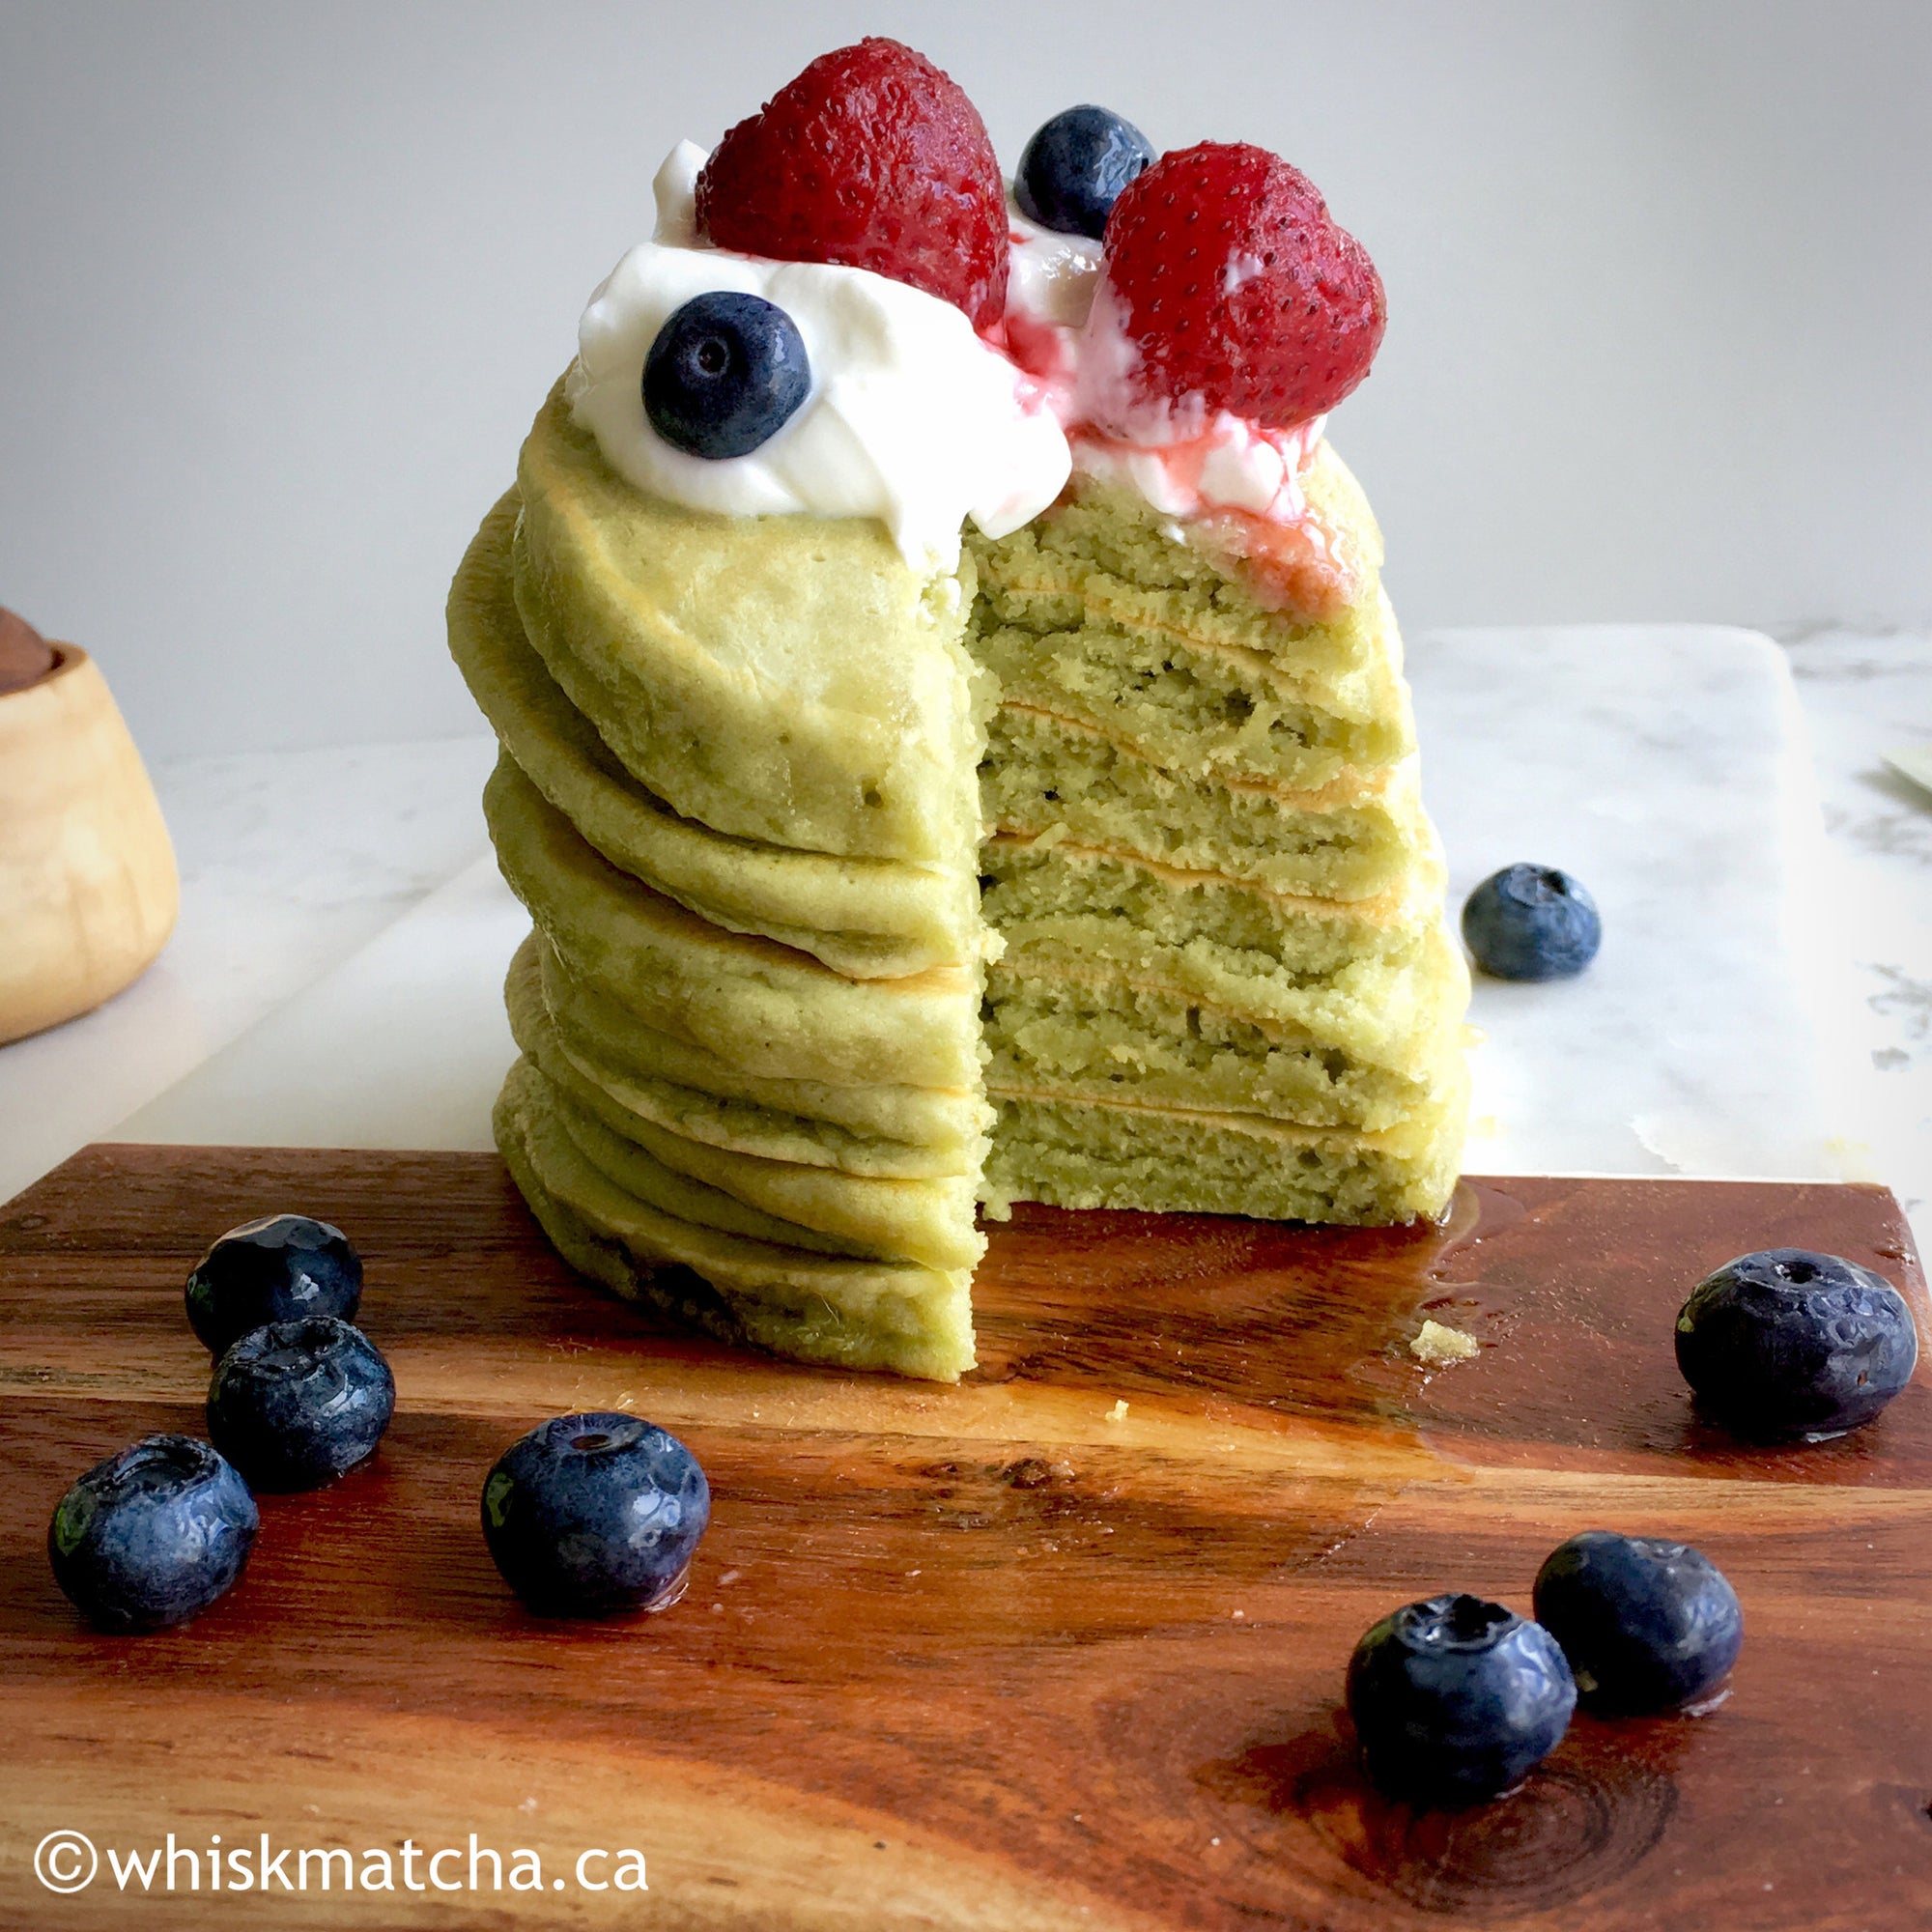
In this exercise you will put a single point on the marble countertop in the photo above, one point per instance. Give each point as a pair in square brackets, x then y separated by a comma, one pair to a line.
[1763, 1004]
[290, 863]
[1863, 696]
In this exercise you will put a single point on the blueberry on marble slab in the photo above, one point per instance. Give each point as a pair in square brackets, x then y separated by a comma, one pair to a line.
[1785, 1345]
[151, 1536]
[726, 372]
[1647, 1625]
[1455, 1699]
[1073, 169]
[1531, 923]
[295, 1404]
[280, 1268]
[594, 1514]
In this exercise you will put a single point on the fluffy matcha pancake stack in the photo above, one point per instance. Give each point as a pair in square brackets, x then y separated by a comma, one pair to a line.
[751, 1085]
[905, 826]
[1225, 984]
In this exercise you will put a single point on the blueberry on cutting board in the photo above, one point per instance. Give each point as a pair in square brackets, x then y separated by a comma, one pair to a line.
[1456, 1699]
[595, 1514]
[1648, 1625]
[1790, 1346]
[295, 1404]
[151, 1536]
[276, 1269]
[1531, 923]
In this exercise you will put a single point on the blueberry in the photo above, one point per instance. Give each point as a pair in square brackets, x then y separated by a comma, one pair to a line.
[1647, 1625]
[1531, 923]
[726, 374]
[294, 1404]
[153, 1536]
[1787, 1344]
[1454, 1699]
[590, 1515]
[275, 1269]
[1074, 168]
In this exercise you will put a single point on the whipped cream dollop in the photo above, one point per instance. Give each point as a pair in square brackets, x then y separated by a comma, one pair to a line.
[911, 417]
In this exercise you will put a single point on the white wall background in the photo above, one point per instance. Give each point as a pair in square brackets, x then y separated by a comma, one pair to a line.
[280, 286]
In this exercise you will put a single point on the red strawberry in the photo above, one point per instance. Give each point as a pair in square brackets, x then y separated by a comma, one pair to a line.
[1237, 286]
[874, 158]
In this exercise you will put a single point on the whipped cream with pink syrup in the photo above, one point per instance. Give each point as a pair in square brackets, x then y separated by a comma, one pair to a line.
[916, 420]
[1235, 485]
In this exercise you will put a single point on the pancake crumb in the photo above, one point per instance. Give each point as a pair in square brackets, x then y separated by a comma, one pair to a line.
[1438, 1346]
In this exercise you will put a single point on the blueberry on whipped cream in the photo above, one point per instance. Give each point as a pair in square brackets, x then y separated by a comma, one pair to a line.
[1647, 1623]
[1456, 1699]
[1785, 1345]
[910, 416]
[151, 1536]
[1074, 168]
[276, 1269]
[1531, 923]
[595, 1514]
[294, 1404]
[726, 374]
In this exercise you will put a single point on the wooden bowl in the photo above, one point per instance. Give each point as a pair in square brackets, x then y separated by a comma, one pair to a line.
[88, 887]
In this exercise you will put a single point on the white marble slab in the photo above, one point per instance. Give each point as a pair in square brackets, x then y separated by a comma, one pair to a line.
[402, 1045]
[1865, 697]
[1667, 769]
[1664, 767]
[290, 863]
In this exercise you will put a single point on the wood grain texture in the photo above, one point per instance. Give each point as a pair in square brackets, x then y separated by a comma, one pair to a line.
[978, 1657]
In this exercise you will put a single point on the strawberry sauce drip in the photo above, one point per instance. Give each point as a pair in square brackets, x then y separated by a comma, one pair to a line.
[1298, 567]
[1231, 485]
[1287, 556]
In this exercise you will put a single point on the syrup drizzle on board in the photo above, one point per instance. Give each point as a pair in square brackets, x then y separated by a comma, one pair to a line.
[972, 1657]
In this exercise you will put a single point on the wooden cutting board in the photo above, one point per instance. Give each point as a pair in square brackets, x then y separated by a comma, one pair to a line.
[1061, 1647]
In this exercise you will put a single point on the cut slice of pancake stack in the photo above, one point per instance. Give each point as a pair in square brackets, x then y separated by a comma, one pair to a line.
[823, 852]
[1226, 985]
